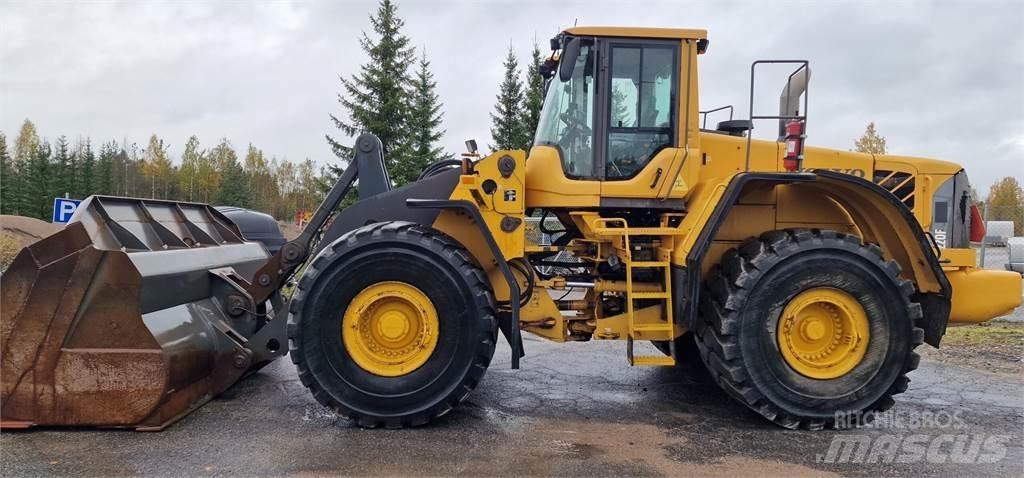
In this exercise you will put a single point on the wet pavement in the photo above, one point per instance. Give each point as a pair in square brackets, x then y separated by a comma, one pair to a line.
[574, 409]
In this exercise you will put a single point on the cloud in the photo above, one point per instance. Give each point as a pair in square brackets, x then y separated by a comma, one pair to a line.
[940, 79]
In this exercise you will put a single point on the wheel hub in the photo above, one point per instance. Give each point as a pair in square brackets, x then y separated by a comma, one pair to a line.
[390, 329]
[823, 333]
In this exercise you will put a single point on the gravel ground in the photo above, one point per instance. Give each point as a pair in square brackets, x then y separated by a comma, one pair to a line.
[574, 409]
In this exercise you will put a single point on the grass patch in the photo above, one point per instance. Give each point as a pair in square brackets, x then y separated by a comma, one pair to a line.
[1004, 333]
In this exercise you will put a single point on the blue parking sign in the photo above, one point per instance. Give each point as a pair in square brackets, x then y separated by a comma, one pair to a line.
[63, 209]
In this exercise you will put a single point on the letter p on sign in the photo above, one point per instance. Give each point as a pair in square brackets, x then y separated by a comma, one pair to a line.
[63, 209]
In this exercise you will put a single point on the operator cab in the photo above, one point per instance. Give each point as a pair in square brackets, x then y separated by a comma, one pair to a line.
[611, 117]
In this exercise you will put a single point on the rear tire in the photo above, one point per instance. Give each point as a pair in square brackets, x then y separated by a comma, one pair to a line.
[418, 259]
[738, 333]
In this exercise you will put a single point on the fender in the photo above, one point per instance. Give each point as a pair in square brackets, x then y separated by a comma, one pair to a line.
[881, 217]
[884, 219]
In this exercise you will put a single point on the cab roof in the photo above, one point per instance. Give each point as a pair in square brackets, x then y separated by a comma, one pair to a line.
[640, 32]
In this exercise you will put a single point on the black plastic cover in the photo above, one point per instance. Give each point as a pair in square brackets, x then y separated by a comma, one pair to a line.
[256, 226]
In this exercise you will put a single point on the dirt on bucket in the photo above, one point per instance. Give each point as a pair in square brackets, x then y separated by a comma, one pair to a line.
[17, 232]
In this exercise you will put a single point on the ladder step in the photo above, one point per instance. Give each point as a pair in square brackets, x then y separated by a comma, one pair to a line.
[649, 264]
[653, 327]
[654, 360]
[648, 295]
[638, 231]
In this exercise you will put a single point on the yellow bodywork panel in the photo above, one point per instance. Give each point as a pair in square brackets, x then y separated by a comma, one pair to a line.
[499, 198]
[704, 196]
[957, 258]
[547, 185]
[856, 164]
[980, 295]
[640, 32]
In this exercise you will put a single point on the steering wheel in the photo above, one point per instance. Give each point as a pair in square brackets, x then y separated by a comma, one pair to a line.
[574, 124]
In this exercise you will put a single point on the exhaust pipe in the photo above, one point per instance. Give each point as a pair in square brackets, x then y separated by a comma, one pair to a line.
[789, 100]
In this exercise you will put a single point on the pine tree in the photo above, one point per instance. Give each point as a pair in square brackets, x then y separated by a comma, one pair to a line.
[507, 129]
[375, 99]
[221, 159]
[8, 178]
[870, 142]
[424, 126]
[37, 183]
[105, 168]
[534, 97]
[71, 172]
[62, 172]
[234, 187]
[86, 171]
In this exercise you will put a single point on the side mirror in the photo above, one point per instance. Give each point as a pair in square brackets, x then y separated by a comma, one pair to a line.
[568, 59]
[471, 146]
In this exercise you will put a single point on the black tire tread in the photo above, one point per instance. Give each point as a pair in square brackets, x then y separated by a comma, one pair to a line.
[434, 241]
[726, 291]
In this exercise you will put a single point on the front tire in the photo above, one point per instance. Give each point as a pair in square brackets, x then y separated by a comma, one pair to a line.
[809, 328]
[392, 325]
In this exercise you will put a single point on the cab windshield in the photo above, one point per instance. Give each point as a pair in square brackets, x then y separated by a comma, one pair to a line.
[567, 118]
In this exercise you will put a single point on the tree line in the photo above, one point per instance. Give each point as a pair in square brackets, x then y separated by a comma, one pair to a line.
[34, 170]
[393, 95]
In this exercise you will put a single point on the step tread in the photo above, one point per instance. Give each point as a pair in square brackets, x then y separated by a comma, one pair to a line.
[653, 327]
[638, 231]
[649, 264]
[649, 295]
[662, 360]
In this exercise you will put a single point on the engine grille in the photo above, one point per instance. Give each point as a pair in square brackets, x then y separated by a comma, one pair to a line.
[901, 184]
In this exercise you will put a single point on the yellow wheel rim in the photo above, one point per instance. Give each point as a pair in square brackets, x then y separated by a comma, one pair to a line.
[390, 329]
[823, 333]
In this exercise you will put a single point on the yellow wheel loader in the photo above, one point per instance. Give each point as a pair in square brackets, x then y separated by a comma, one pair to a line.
[802, 278]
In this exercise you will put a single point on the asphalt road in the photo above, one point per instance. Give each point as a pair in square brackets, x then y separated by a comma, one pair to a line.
[574, 409]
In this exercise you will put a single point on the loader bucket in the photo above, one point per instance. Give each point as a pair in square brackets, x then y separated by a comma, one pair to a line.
[132, 316]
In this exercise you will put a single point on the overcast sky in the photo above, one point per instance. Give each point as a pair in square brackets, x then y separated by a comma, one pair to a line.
[940, 79]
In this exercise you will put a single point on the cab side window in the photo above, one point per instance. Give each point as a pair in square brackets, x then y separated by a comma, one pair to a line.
[642, 106]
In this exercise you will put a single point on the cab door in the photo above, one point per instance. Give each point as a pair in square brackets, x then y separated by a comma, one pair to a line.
[637, 136]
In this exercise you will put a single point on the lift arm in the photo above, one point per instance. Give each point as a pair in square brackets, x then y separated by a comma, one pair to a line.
[369, 161]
